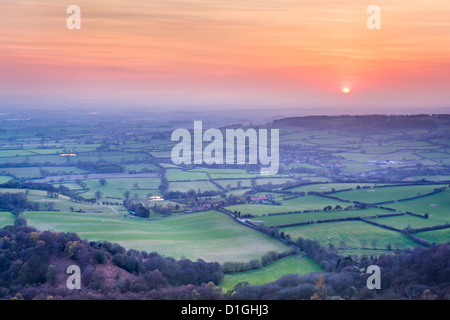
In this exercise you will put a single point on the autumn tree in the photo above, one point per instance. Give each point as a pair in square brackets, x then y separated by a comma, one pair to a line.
[320, 287]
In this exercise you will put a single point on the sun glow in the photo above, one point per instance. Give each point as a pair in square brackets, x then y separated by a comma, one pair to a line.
[346, 90]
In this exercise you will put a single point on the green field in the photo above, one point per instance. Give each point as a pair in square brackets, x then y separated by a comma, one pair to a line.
[6, 218]
[381, 194]
[292, 205]
[195, 185]
[210, 235]
[219, 171]
[139, 167]
[61, 203]
[436, 205]
[234, 176]
[352, 232]
[23, 173]
[401, 222]
[287, 265]
[312, 202]
[275, 181]
[115, 188]
[180, 175]
[435, 155]
[4, 179]
[260, 209]
[244, 183]
[14, 153]
[435, 236]
[64, 170]
[328, 187]
[70, 185]
[314, 216]
[46, 151]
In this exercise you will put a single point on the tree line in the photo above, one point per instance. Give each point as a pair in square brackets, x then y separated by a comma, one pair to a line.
[32, 266]
[403, 276]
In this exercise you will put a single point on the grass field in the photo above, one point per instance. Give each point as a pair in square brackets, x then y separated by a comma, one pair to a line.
[4, 179]
[312, 202]
[401, 222]
[260, 209]
[234, 176]
[195, 185]
[64, 170]
[219, 170]
[275, 181]
[139, 167]
[436, 205]
[381, 194]
[435, 236]
[180, 175]
[70, 185]
[116, 187]
[287, 265]
[352, 232]
[292, 205]
[245, 183]
[314, 216]
[47, 151]
[209, 235]
[239, 192]
[14, 153]
[57, 159]
[368, 251]
[327, 187]
[23, 173]
[316, 179]
[63, 203]
[6, 218]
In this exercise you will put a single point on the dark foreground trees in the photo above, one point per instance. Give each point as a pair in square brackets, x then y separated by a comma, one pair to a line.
[423, 273]
[33, 265]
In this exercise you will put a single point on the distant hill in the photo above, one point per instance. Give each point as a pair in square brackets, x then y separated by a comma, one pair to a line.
[377, 122]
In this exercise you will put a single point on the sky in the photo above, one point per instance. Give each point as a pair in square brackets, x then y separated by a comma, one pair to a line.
[227, 54]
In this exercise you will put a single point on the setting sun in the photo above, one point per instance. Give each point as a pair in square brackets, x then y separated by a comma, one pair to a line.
[346, 90]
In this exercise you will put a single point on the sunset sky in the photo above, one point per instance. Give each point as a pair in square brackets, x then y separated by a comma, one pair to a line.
[226, 53]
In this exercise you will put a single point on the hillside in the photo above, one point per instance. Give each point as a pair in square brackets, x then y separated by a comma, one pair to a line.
[420, 121]
[33, 265]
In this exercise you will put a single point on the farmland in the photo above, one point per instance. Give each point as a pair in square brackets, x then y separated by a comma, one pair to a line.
[349, 187]
[375, 195]
[6, 218]
[284, 219]
[353, 234]
[207, 235]
[288, 265]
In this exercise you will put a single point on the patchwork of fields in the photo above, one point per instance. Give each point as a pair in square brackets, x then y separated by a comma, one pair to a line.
[358, 192]
[348, 227]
